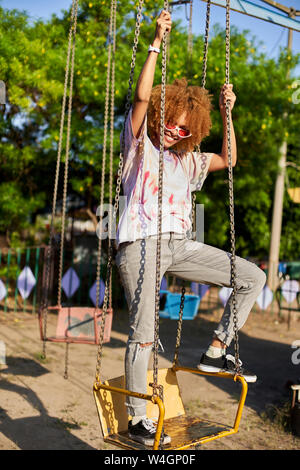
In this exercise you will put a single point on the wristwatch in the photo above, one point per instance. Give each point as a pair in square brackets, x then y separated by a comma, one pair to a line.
[153, 49]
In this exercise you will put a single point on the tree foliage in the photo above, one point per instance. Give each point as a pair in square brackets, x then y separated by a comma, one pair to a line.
[32, 60]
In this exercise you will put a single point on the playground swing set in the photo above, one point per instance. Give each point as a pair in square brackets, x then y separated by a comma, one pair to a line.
[163, 395]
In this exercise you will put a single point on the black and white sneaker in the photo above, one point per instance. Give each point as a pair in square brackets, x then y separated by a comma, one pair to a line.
[224, 364]
[144, 432]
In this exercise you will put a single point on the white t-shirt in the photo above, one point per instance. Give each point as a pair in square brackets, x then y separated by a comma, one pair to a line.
[181, 175]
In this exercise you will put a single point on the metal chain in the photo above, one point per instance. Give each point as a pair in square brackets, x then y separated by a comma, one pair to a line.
[231, 193]
[45, 293]
[190, 31]
[49, 249]
[112, 117]
[203, 83]
[190, 41]
[106, 111]
[205, 51]
[231, 197]
[69, 116]
[179, 328]
[128, 105]
[66, 374]
[118, 187]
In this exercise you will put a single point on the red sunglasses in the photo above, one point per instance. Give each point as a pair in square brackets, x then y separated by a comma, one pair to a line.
[182, 133]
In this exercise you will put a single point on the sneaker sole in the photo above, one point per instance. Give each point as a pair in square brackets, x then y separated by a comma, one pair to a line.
[148, 442]
[215, 370]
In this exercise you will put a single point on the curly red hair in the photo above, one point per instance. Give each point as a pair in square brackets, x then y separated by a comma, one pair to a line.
[180, 98]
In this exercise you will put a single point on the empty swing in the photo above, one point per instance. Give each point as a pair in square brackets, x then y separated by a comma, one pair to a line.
[75, 324]
[171, 300]
[163, 394]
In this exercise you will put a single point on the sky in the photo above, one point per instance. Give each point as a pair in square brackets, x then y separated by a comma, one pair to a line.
[271, 35]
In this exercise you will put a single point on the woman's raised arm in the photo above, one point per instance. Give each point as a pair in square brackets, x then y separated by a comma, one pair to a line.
[145, 80]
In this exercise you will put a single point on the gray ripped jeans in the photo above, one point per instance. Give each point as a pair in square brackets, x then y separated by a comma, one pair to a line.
[186, 259]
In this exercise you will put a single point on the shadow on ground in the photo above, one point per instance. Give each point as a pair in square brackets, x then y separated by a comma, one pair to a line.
[40, 432]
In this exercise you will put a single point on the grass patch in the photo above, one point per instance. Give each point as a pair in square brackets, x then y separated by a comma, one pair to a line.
[278, 415]
[41, 358]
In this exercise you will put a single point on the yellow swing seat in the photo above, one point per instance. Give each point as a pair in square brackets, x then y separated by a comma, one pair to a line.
[185, 431]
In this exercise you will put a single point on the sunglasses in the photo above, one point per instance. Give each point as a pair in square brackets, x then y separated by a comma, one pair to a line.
[182, 133]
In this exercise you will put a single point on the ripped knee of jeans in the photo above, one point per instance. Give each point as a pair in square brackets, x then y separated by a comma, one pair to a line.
[150, 344]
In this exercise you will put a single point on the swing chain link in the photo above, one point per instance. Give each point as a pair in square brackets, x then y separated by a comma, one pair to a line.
[118, 189]
[205, 51]
[128, 103]
[231, 198]
[66, 374]
[109, 78]
[194, 195]
[111, 154]
[203, 83]
[179, 328]
[190, 40]
[231, 194]
[69, 116]
[64, 204]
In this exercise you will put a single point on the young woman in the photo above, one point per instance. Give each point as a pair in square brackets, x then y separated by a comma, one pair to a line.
[187, 122]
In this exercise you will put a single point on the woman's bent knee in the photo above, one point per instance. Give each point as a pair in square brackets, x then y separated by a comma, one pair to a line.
[254, 274]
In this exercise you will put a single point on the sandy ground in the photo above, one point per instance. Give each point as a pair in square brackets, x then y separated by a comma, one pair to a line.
[40, 410]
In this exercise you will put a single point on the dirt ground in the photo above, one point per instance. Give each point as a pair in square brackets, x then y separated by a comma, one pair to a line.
[40, 410]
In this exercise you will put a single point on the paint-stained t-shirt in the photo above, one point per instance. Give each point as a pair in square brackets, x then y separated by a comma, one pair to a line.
[182, 174]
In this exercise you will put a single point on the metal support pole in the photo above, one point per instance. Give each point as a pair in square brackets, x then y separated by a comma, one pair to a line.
[2, 96]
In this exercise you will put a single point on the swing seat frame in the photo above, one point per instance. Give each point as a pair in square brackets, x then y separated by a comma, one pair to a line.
[185, 431]
[70, 322]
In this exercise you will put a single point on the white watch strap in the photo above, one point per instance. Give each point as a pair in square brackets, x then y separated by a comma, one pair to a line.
[154, 49]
